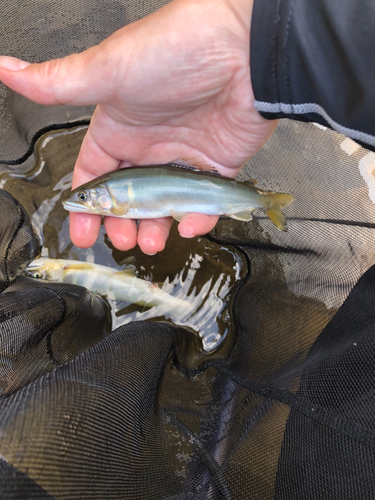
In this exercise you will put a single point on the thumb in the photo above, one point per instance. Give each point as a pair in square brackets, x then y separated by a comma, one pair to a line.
[74, 79]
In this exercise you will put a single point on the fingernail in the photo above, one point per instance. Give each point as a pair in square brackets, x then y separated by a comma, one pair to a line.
[150, 243]
[12, 64]
[187, 232]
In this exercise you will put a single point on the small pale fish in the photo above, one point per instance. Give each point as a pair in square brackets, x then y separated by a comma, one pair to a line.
[111, 283]
[155, 191]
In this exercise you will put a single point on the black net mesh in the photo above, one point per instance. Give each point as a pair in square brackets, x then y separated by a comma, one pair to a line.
[283, 409]
[19, 243]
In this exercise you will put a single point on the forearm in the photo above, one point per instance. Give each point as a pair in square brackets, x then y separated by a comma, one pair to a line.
[313, 61]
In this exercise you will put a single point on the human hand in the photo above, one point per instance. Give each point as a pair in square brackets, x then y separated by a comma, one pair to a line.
[175, 84]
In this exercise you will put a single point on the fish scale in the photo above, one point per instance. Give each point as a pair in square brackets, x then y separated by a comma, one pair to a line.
[156, 191]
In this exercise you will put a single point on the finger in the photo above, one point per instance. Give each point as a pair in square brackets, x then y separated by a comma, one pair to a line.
[92, 161]
[153, 234]
[121, 232]
[196, 224]
[60, 81]
[84, 229]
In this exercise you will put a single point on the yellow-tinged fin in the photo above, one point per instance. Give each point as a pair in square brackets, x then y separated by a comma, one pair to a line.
[129, 266]
[128, 271]
[128, 262]
[273, 209]
[131, 260]
[244, 215]
[120, 209]
[250, 182]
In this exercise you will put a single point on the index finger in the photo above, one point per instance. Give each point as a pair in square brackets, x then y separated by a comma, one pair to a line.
[92, 161]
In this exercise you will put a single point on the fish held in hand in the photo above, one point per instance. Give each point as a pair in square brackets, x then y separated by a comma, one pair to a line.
[104, 280]
[155, 191]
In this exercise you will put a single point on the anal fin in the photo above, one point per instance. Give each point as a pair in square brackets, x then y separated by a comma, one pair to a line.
[244, 215]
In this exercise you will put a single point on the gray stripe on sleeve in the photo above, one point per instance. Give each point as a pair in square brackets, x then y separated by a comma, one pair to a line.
[302, 109]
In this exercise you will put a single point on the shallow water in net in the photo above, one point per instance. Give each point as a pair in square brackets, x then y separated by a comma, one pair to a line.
[202, 272]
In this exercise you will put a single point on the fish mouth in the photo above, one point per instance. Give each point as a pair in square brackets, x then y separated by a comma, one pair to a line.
[73, 206]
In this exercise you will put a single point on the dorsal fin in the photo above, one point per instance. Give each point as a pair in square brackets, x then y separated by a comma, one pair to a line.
[194, 164]
[128, 261]
[129, 271]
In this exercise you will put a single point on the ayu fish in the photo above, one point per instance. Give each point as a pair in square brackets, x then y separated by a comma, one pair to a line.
[155, 191]
[111, 283]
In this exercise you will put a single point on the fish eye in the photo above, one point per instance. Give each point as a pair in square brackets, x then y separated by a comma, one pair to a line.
[82, 196]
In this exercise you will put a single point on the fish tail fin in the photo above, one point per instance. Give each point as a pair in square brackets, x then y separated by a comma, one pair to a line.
[273, 208]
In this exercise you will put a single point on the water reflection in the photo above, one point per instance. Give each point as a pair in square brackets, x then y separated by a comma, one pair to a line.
[207, 305]
[199, 271]
[40, 216]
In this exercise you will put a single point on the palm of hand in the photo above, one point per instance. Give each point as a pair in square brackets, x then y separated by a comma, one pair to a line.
[169, 88]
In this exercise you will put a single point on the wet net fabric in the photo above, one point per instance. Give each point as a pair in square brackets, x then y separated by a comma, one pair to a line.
[38, 30]
[283, 410]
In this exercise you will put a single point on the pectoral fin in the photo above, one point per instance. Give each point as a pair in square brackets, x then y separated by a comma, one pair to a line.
[120, 209]
[244, 215]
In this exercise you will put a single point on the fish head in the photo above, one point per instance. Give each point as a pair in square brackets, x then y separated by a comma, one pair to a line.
[90, 198]
[47, 269]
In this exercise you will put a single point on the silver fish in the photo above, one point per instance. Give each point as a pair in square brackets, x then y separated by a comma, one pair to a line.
[150, 192]
[114, 284]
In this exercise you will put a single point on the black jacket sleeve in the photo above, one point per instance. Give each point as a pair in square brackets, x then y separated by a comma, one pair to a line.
[314, 60]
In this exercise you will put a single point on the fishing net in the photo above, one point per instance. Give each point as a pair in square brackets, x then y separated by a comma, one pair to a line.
[96, 406]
